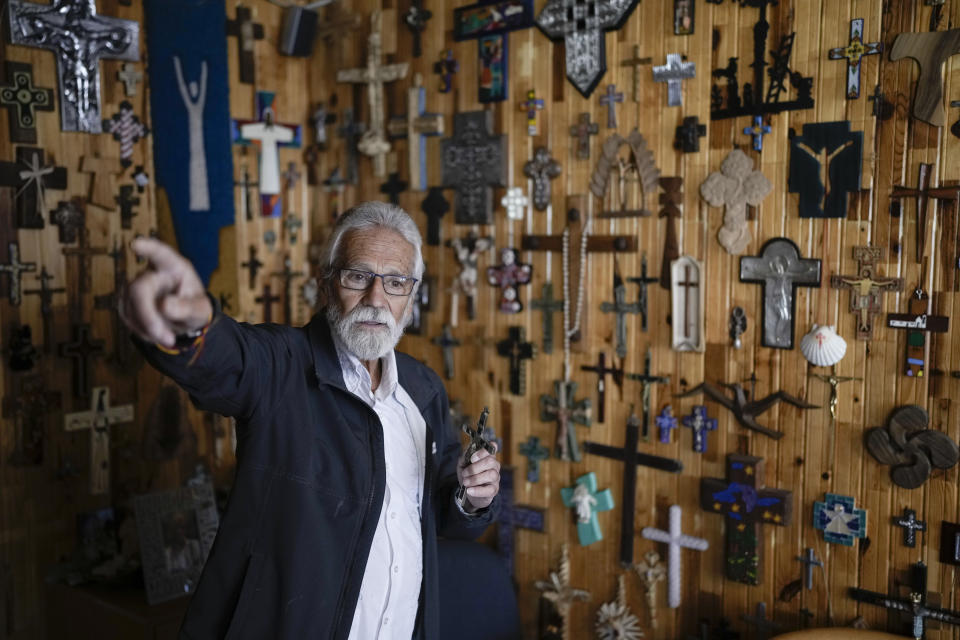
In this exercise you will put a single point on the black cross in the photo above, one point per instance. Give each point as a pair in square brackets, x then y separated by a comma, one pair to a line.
[631, 459]
[435, 206]
[22, 100]
[882, 108]
[28, 407]
[547, 305]
[127, 201]
[267, 300]
[46, 305]
[247, 33]
[14, 269]
[84, 252]
[252, 265]
[764, 626]
[80, 351]
[908, 521]
[646, 380]
[447, 342]
[602, 370]
[642, 282]
[474, 161]
[394, 187]
[810, 560]
[288, 274]
[514, 516]
[30, 176]
[517, 349]
[416, 20]
[68, 216]
[124, 355]
[687, 136]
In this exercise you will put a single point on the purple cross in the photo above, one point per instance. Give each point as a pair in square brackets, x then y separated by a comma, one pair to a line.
[701, 424]
[667, 423]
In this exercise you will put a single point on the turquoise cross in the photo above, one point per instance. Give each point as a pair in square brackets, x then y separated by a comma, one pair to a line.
[587, 502]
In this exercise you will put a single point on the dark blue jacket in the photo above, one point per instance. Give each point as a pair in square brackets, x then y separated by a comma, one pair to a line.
[293, 544]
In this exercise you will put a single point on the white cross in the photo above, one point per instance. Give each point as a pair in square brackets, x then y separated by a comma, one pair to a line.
[268, 134]
[129, 76]
[98, 420]
[515, 203]
[676, 540]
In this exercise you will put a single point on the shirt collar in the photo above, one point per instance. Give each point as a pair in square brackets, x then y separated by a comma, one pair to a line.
[355, 375]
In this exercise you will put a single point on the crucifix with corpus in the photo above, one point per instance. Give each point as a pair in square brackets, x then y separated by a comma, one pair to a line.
[562, 408]
[866, 288]
[601, 369]
[646, 380]
[98, 420]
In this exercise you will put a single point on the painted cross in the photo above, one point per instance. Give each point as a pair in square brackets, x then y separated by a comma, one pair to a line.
[474, 161]
[45, 293]
[674, 72]
[350, 131]
[435, 206]
[735, 186]
[923, 193]
[267, 300]
[393, 187]
[866, 288]
[69, 216]
[22, 101]
[489, 23]
[647, 380]
[587, 502]
[374, 142]
[517, 349]
[79, 39]
[515, 203]
[582, 132]
[416, 19]
[507, 276]
[687, 135]
[910, 525]
[825, 165]
[13, 270]
[126, 129]
[446, 67]
[269, 134]
[642, 297]
[700, 423]
[81, 350]
[84, 254]
[636, 62]
[853, 53]
[126, 201]
[620, 307]
[632, 459]
[534, 452]
[840, 522]
[98, 420]
[416, 125]
[31, 178]
[547, 306]
[542, 169]
[247, 33]
[130, 78]
[757, 131]
[601, 369]
[675, 540]
[447, 342]
[581, 25]
[610, 100]
[763, 625]
[746, 504]
[467, 250]
[666, 422]
[566, 411]
[780, 270]
[916, 323]
[531, 105]
[809, 560]
[252, 265]
[514, 516]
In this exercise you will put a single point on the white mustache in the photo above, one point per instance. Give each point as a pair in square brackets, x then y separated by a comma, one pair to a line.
[371, 314]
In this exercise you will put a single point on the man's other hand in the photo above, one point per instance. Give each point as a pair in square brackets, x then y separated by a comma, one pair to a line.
[481, 479]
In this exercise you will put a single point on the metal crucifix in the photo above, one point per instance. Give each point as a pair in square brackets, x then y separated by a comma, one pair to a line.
[646, 380]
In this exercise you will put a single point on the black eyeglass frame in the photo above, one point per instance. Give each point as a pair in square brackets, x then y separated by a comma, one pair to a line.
[342, 270]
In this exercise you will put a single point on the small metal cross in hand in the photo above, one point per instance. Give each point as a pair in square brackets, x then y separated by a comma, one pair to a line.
[477, 442]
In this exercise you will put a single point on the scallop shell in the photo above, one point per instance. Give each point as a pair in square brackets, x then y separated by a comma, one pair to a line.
[822, 347]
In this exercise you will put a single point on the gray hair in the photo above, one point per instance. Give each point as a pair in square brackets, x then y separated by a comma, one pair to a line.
[368, 215]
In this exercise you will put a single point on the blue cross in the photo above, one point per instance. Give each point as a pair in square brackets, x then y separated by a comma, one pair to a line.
[667, 423]
[758, 130]
[588, 528]
[700, 423]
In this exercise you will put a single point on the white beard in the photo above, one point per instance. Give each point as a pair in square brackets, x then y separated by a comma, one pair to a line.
[364, 342]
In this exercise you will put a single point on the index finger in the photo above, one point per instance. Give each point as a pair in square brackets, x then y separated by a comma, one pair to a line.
[158, 253]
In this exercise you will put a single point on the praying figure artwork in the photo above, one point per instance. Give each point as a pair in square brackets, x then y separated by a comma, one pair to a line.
[194, 95]
[840, 522]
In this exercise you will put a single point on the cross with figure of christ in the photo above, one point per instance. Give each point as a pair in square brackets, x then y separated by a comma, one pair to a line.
[642, 296]
[646, 380]
[601, 369]
[621, 308]
[84, 253]
[562, 408]
[98, 420]
[866, 288]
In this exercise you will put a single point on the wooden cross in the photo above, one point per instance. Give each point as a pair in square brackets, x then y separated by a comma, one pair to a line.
[700, 423]
[508, 275]
[610, 100]
[350, 130]
[853, 53]
[760, 621]
[338, 25]
[866, 288]
[517, 349]
[84, 253]
[247, 33]
[646, 380]
[620, 307]
[534, 452]
[930, 50]
[374, 142]
[416, 125]
[674, 72]
[446, 67]
[636, 62]
[288, 274]
[514, 516]
[435, 206]
[13, 270]
[81, 350]
[675, 540]
[687, 295]
[780, 270]
[252, 265]
[46, 292]
[267, 300]
[22, 101]
[542, 169]
[882, 108]
[642, 297]
[101, 185]
[28, 408]
[130, 78]
[416, 19]
[247, 199]
[922, 193]
[671, 199]
[123, 355]
[127, 201]
[447, 342]
[582, 132]
[393, 187]
[547, 305]
[30, 177]
[98, 420]
[757, 131]
[586, 501]
[910, 525]
[687, 135]
[601, 369]
[632, 459]
[917, 322]
[531, 105]
[747, 504]
[474, 161]
[69, 216]
[562, 408]
[810, 560]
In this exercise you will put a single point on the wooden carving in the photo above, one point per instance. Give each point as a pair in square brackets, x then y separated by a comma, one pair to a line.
[641, 168]
[930, 50]
[909, 445]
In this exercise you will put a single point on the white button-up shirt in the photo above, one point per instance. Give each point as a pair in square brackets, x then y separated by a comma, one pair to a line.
[390, 591]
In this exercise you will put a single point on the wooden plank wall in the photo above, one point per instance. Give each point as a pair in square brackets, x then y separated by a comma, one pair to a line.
[38, 509]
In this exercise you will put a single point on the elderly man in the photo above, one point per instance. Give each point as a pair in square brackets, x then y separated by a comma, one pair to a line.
[347, 467]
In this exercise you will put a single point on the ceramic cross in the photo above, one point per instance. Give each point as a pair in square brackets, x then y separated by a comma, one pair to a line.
[79, 38]
[825, 164]
[780, 270]
[581, 25]
[517, 349]
[515, 203]
[31, 177]
[632, 459]
[416, 126]
[69, 216]
[84, 254]
[531, 105]
[446, 67]
[674, 72]
[651, 572]
[675, 540]
[687, 294]
[601, 369]
[435, 206]
[447, 342]
[474, 161]
[22, 101]
[610, 100]
[466, 250]
[542, 169]
[562, 408]
[247, 33]
[534, 452]
[514, 516]
[700, 423]
[130, 78]
[840, 522]
[587, 502]
[853, 53]
[687, 135]
[620, 307]
[642, 296]
[757, 130]
[917, 322]
[666, 423]
[747, 505]
[507, 276]
[374, 142]
[126, 129]
[866, 288]
[416, 19]
[13, 270]
[809, 560]
[735, 186]
[547, 306]
[923, 193]
[763, 625]
[635, 63]
[98, 420]
[46, 293]
[910, 525]
[270, 135]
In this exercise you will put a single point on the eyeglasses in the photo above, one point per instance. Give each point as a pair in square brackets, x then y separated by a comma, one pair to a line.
[393, 285]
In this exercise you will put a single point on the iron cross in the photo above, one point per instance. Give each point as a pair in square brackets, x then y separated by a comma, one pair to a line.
[601, 369]
[252, 265]
[642, 296]
[416, 19]
[267, 300]
[621, 308]
[474, 161]
[517, 349]
[646, 380]
[674, 72]
[435, 206]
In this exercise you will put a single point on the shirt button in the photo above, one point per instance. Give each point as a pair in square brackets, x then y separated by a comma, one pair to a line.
[386, 621]
[396, 569]
[393, 515]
